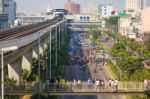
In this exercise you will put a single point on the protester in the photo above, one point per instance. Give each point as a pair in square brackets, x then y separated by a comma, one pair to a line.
[145, 84]
[115, 85]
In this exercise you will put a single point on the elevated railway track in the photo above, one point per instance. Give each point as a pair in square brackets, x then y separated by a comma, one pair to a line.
[25, 30]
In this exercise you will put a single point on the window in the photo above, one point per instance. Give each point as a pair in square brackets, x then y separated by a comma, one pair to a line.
[6, 5]
[88, 18]
[81, 18]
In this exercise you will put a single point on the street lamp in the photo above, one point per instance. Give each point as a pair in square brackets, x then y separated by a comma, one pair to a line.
[59, 37]
[39, 68]
[50, 45]
[46, 66]
[56, 45]
[3, 50]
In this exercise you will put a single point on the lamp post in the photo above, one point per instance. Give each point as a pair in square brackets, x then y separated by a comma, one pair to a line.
[39, 69]
[3, 50]
[59, 37]
[46, 66]
[50, 45]
[56, 46]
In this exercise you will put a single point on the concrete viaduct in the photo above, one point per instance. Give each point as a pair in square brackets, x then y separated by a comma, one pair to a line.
[28, 49]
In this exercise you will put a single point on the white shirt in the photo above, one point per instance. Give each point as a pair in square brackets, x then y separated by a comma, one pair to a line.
[145, 82]
[116, 82]
[109, 81]
[97, 82]
[112, 83]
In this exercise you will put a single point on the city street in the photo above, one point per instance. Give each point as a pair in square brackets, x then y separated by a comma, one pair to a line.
[75, 71]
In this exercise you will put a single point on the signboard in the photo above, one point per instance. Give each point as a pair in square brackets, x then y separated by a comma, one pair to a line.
[122, 13]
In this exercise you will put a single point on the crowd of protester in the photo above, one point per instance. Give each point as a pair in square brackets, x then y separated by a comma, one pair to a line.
[87, 56]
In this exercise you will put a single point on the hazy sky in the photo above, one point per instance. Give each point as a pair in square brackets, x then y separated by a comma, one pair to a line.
[36, 6]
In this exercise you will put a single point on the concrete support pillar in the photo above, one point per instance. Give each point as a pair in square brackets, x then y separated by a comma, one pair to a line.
[14, 69]
[42, 47]
[45, 42]
[35, 52]
[27, 60]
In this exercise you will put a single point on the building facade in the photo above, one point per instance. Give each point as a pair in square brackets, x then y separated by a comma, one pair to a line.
[1, 6]
[144, 3]
[124, 25]
[106, 10]
[72, 7]
[145, 20]
[131, 5]
[26, 20]
[7, 13]
[136, 5]
[10, 9]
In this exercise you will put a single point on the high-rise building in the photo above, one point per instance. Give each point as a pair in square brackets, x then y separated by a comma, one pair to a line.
[10, 9]
[1, 6]
[144, 3]
[137, 5]
[145, 20]
[72, 7]
[132, 5]
[148, 3]
[106, 10]
[7, 13]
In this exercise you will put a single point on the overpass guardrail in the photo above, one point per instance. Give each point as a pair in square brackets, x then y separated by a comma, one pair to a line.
[124, 87]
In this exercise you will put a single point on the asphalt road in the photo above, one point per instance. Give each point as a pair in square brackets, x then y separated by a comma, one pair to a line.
[74, 72]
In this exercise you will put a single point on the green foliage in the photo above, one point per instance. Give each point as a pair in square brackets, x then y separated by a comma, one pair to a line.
[10, 81]
[147, 49]
[95, 33]
[130, 63]
[24, 74]
[111, 21]
[140, 75]
[114, 68]
[45, 97]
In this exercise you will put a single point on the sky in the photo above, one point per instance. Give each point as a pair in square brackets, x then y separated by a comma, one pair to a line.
[37, 6]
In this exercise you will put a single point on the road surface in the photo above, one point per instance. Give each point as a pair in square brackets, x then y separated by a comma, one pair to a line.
[73, 72]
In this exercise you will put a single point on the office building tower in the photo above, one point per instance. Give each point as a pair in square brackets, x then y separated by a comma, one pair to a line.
[72, 7]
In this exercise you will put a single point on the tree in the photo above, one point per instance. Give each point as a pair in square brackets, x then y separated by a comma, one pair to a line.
[10, 82]
[130, 64]
[95, 33]
[112, 21]
[24, 75]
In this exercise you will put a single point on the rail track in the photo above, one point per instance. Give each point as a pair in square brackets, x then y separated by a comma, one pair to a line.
[17, 32]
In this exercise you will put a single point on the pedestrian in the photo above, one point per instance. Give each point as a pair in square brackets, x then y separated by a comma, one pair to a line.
[116, 85]
[47, 84]
[97, 83]
[145, 84]
[80, 67]
[89, 81]
[102, 84]
[93, 81]
[113, 85]
[74, 82]
[109, 82]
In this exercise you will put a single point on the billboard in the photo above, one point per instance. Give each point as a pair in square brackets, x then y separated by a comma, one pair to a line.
[122, 13]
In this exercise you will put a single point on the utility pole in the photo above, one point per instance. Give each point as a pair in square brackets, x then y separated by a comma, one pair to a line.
[50, 48]
[39, 71]
[56, 46]
[59, 37]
